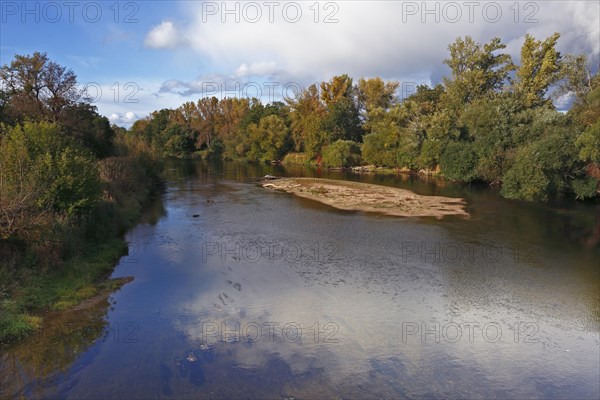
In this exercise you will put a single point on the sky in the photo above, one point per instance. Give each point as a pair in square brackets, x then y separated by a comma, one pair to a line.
[135, 57]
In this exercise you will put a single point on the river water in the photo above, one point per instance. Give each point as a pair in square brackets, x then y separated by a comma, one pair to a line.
[242, 292]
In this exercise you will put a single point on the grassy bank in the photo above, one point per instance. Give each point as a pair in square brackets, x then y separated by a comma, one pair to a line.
[78, 257]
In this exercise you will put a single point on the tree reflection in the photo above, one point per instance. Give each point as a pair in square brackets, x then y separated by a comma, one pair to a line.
[27, 367]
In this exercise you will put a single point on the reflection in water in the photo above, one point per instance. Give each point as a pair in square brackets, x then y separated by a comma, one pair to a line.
[61, 346]
[241, 292]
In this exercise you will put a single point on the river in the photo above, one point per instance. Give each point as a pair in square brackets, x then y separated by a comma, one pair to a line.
[242, 292]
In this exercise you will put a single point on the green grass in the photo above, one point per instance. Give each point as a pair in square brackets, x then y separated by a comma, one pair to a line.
[77, 279]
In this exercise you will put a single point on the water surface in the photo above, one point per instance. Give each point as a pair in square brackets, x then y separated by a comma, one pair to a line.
[241, 292]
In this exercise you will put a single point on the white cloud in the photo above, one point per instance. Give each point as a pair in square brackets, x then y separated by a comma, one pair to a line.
[131, 103]
[126, 119]
[370, 38]
[256, 68]
[163, 36]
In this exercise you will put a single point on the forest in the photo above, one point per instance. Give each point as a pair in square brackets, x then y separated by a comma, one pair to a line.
[490, 121]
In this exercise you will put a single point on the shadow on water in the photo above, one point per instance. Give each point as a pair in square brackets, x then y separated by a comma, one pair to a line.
[27, 368]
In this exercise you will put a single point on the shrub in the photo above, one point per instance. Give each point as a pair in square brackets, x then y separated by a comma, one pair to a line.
[298, 159]
[342, 153]
[458, 161]
[585, 187]
[378, 149]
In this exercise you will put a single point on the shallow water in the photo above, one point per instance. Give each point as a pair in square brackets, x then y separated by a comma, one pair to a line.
[267, 295]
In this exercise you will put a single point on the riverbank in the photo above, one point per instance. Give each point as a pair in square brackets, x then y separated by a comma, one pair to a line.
[366, 197]
[33, 287]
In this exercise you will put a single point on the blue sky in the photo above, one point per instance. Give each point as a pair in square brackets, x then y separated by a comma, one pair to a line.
[147, 55]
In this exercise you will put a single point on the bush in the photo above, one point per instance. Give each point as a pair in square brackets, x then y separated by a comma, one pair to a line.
[343, 153]
[298, 159]
[588, 143]
[585, 187]
[73, 183]
[378, 149]
[430, 153]
[543, 167]
[525, 179]
[458, 161]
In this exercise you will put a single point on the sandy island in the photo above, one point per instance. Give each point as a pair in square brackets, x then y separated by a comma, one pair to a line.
[367, 197]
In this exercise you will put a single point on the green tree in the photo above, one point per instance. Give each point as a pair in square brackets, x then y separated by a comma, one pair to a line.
[458, 161]
[307, 113]
[540, 67]
[73, 182]
[489, 124]
[375, 95]
[476, 70]
[542, 168]
[341, 153]
[269, 139]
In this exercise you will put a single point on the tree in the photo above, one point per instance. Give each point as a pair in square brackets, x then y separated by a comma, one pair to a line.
[307, 113]
[490, 124]
[540, 67]
[576, 77]
[342, 120]
[39, 88]
[73, 182]
[269, 139]
[21, 183]
[206, 121]
[543, 167]
[375, 94]
[338, 88]
[89, 129]
[342, 153]
[458, 161]
[476, 70]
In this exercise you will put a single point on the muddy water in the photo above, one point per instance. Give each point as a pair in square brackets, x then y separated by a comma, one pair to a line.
[241, 292]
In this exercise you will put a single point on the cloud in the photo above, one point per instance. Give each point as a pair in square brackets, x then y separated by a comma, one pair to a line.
[387, 39]
[256, 69]
[86, 61]
[262, 80]
[126, 119]
[164, 36]
[124, 105]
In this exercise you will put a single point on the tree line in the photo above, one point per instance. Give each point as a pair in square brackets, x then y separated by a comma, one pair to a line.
[490, 121]
[70, 185]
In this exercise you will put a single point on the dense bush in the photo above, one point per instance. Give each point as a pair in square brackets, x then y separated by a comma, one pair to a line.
[459, 161]
[379, 149]
[298, 159]
[342, 153]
